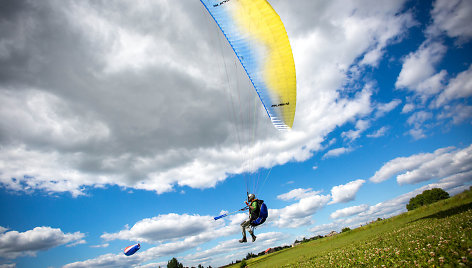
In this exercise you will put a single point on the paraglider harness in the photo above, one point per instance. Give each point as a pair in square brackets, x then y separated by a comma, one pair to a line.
[262, 215]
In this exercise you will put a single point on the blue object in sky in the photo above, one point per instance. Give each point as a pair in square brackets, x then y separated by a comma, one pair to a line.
[132, 249]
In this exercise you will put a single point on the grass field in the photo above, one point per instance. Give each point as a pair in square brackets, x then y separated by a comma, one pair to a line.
[437, 235]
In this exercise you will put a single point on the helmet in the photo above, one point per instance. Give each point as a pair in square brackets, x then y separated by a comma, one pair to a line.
[250, 197]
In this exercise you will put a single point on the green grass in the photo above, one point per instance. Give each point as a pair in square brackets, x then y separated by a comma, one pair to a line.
[437, 235]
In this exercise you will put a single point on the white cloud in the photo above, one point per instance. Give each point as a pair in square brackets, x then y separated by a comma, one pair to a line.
[297, 194]
[431, 86]
[458, 87]
[35, 113]
[361, 126]
[442, 163]
[298, 214]
[105, 245]
[107, 110]
[349, 211]
[417, 133]
[452, 17]
[379, 132]
[336, 152]
[441, 166]
[346, 192]
[384, 108]
[419, 66]
[408, 108]
[459, 113]
[325, 229]
[9, 265]
[14, 244]
[166, 227]
[417, 120]
[401, 164]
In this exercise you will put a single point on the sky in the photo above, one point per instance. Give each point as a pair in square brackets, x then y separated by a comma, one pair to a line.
[115, 127]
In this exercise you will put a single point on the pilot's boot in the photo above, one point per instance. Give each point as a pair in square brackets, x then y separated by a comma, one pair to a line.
[251, 232]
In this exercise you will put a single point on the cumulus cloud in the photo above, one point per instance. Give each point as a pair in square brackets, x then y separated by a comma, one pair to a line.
[432, 85]
[85, 95]
[361, 126]
[105, 245]
[417, 133]
[397, 165]
[297, 194]
[459, 113]
[336, 152]
[349, 211]
[347, 192]
[417, 120]
[96, 102]
[458, 87]
[443, 162]
[441, 166]
[419, 67]
[379, 132]
[165, 227]
[384, 108]
[452, 17]
[14, 244]
[298, 214]
[408, 108]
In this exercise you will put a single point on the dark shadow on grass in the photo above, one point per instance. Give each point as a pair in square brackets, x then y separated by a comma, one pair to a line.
[448, 212]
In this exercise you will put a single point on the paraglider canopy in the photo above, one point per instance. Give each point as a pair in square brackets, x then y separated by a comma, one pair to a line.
[259, 40]
[132, 249]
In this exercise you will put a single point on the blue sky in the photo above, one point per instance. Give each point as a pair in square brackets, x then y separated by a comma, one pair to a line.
[115, 128]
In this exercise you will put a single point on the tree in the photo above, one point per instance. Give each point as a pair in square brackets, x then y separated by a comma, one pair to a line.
[345, 229]
[174, 263]
[426, 198]
[243, 264]
[250, 255]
